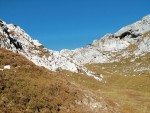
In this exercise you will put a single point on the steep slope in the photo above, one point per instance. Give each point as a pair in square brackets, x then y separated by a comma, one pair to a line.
[14, 38]
[32, 49]
[27, 88]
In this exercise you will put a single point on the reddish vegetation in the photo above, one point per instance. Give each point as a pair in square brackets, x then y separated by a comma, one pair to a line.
[29, 88]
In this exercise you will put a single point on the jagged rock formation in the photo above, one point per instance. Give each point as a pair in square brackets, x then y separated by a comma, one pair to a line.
[132, 40]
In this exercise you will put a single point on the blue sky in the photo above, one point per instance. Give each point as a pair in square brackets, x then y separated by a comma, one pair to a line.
[70, 24]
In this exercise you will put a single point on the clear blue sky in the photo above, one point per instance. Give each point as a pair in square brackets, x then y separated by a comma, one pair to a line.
[71, 24]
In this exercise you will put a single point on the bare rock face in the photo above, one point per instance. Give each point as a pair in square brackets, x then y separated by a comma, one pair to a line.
[144, 45]
[133, 39]
[134, 35]
[137, 28]
[125, 36]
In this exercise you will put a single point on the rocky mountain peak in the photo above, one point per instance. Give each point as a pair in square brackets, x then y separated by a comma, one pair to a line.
[135, 29]
[126, 36]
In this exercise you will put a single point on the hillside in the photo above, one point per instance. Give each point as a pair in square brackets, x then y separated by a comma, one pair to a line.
[27, 88]
[125, 83]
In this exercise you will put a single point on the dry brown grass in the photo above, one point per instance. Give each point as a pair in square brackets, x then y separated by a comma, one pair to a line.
[121, 84]
[129, 88]
[29, 88]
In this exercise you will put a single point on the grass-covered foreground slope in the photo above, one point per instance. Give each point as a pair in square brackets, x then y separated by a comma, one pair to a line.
[27, 88]
[119, 90]
[126, 83]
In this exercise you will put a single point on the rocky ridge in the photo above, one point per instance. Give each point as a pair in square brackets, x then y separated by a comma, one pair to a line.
[132, 40]
[37, 53]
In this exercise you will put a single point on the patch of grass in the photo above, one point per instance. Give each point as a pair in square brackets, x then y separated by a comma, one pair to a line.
[124, 84]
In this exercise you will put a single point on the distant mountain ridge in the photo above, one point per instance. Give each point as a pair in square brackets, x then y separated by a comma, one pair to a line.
[132, 40]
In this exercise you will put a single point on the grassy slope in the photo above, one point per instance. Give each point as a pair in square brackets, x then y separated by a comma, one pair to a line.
[126, 83]
[121, 84]
[27, 88]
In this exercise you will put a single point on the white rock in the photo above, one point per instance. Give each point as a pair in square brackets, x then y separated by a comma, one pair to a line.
[36, 42]
[7, 67]
[1, 69]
